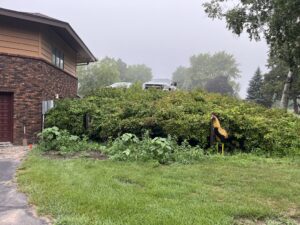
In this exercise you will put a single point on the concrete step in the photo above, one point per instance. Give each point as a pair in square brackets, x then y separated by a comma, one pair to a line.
[5, 144]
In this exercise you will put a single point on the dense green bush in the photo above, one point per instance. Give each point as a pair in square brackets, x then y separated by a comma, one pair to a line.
[129, 147]
[185, 115]
[54, 139]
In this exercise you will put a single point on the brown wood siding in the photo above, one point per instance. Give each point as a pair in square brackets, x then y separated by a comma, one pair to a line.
[46, 50]
[50, 39]
[19, 38]
[29, 39]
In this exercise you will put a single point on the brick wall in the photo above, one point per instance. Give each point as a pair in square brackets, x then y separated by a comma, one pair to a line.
[32, 81]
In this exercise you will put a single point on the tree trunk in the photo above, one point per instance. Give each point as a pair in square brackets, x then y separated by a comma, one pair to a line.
[296, 106]
[286, 91]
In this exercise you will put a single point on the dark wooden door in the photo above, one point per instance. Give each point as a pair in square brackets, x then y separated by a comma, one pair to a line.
[6, 117]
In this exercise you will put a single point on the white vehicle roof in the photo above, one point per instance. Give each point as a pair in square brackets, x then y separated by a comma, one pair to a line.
[160, 81]
[121, 84]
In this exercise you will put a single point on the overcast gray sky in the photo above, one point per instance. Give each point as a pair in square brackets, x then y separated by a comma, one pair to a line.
[162, 34]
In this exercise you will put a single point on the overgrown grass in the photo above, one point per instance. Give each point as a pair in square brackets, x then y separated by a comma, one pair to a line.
[217, 190]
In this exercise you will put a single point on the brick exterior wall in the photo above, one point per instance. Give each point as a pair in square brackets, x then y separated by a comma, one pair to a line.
[32, 81]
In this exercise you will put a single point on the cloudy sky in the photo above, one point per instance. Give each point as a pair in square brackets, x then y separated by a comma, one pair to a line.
[162, 34]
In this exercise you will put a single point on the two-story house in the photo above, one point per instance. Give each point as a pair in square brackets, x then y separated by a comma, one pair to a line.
[38, 59]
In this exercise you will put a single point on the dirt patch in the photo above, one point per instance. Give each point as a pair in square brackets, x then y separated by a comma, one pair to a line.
[245, 221]
[267, 221]
[294, 213]
[96, 155]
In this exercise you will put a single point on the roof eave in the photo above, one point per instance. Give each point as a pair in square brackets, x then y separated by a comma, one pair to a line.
[51, 22]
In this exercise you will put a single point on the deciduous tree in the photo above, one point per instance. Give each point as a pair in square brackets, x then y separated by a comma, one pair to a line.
[137, 73]
[220, 85]
[109, 71]
[206, 67]
[181, 76]
[97, 75]
[274, 82]
[277, 21]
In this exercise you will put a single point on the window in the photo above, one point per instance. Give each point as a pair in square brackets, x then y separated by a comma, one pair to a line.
[58, 58]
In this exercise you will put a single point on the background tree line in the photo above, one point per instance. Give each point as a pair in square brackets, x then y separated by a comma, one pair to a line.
[211, 72]
[278, 21]
[108, 71]
[266, 89]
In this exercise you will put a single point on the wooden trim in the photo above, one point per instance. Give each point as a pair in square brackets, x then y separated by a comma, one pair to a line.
[40, 42]
[39, 59]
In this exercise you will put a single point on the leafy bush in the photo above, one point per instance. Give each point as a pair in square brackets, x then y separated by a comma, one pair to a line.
[163, 150]
[61, 140]
[185, 115]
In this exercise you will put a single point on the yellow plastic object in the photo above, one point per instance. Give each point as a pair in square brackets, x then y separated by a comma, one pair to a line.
[216, 124]
[223, 149]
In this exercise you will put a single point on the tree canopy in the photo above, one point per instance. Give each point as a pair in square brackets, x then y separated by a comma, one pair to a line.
[97, 75]
[108, 71]
[219, 85]
[278, 21]
[206, 67]
[181, 76]
[137, 73]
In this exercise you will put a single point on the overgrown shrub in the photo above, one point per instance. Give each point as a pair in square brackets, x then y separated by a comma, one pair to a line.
[129, 147]
[54, 139]
[185, 115]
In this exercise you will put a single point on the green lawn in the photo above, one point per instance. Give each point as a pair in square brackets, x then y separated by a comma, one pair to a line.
[218, 190]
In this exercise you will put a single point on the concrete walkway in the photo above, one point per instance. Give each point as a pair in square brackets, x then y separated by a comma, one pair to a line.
[14, 208]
